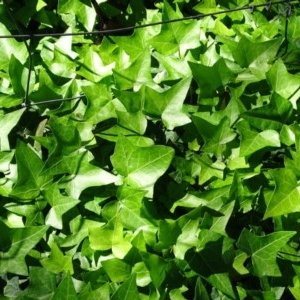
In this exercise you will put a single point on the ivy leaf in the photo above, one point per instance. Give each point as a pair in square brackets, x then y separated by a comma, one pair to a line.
[284, 83]
[87, 175]
[29, 182]
[128, 290]
[135, 75]
[270, 116]
[66, 289]
[141, 166]
[10, 46]
[263, 250]
[211, 79]
[176, 37]
[85, 13]
[209, 263]
[57, 262]
[116, 269]
[7, 123]
[15, 249]
[59, 205]
[42, 284]
[257, 56]
[168, 104]
[253, 141]
[109, 237]
[285, 198]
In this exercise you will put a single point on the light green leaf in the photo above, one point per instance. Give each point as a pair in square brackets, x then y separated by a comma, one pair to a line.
[168, 104]
[285, 198]
[284, 83]
[116, 269]
[263, 250]
[59, 205]
[110, 236]
[17, 245]
[84, 13]
[7, 123]
[57, 262]
[87, 175]
[253, 141]
[176, 37]
[9, 47]
[141, 166]
[136, 75]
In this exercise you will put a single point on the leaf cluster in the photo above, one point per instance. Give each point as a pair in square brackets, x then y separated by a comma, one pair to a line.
[175, 174]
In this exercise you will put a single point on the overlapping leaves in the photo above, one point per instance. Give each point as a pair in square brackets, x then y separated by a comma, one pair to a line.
[174, 176]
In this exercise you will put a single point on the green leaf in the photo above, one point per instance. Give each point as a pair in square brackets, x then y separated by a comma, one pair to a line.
[131, 207]
[116, 269]
[138, 73]
[16, 248]
[19, 75]
[263, 250]
[57, 262]
[157, 267]
[29, 182]
[84, 13]
[209, 263]
[168, 104]
[283, 83]
[285, 198]
[87, 175]
[7, 123]
[9, 46]
[176, 37]
[66, 289]
[257, 56]
[141, 166]
[271, 116]
[42, 284]
[127, 291]
[59, 205]
[110, 236]
[211, 79]
[253, 141]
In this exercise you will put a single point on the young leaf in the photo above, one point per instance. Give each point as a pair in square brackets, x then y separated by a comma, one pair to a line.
[57, 262]
[263, 250]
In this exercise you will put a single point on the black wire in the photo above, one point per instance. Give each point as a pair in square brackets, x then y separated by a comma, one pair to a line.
[130, 28]
[26, 100]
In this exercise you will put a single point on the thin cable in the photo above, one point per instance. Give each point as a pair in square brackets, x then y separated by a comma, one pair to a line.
[51, 101]
[130, 28]
[26, 100]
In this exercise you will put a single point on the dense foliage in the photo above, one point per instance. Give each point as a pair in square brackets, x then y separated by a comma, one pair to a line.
[176, 173]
